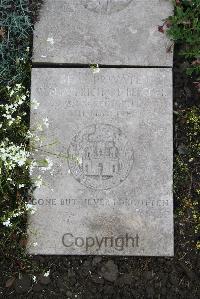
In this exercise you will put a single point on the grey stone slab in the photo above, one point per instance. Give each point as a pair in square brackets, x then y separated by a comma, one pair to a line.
[111, 191]
[110, 32]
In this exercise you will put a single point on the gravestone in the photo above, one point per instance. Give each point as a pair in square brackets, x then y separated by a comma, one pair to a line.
[110, 132]
[110, 139]
[110, 32]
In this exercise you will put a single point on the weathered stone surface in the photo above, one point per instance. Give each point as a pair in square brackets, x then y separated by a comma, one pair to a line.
[110, 32]
[111, 192]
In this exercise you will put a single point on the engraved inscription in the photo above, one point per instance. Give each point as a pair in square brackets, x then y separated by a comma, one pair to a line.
[101, 155]
[106, 6]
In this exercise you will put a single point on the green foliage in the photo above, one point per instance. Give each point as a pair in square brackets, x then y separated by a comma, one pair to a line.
[15, 42]
[184, 29]
[186, 163]
[181, 177]
[187, 167]
[16, 28]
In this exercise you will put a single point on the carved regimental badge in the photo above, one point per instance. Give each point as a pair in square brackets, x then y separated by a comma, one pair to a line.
[100, 156]
[106, 6]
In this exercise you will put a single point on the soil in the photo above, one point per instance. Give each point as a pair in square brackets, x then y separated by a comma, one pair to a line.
[100, 277]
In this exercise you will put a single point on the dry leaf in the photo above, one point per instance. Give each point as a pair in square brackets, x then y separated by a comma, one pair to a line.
[196, 62]
[18, 196]
[170, 48]
[23, 242]
[2, 32]
[10, 282]
[161, 29]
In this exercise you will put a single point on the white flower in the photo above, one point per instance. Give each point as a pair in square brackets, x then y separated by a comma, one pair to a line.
[18, 86]
[33, 136]
[79, 160]
[32, 166]
[17, 214]
[46, 274]
[31, 208]
[35, 244]
[34, 278]
[21, 162]
[8, 116]
[0, 126]
[7, 223]
[50, 40]
[49, 165]
[20, 102]
[21, 186]
[29, 134]
[69, 171]
[36, 138]
[10, 122]
[95, 69]
[38, 182]
[18, 118]
[39, 128]
[46, 122]
[13, 155]
[35, 104]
